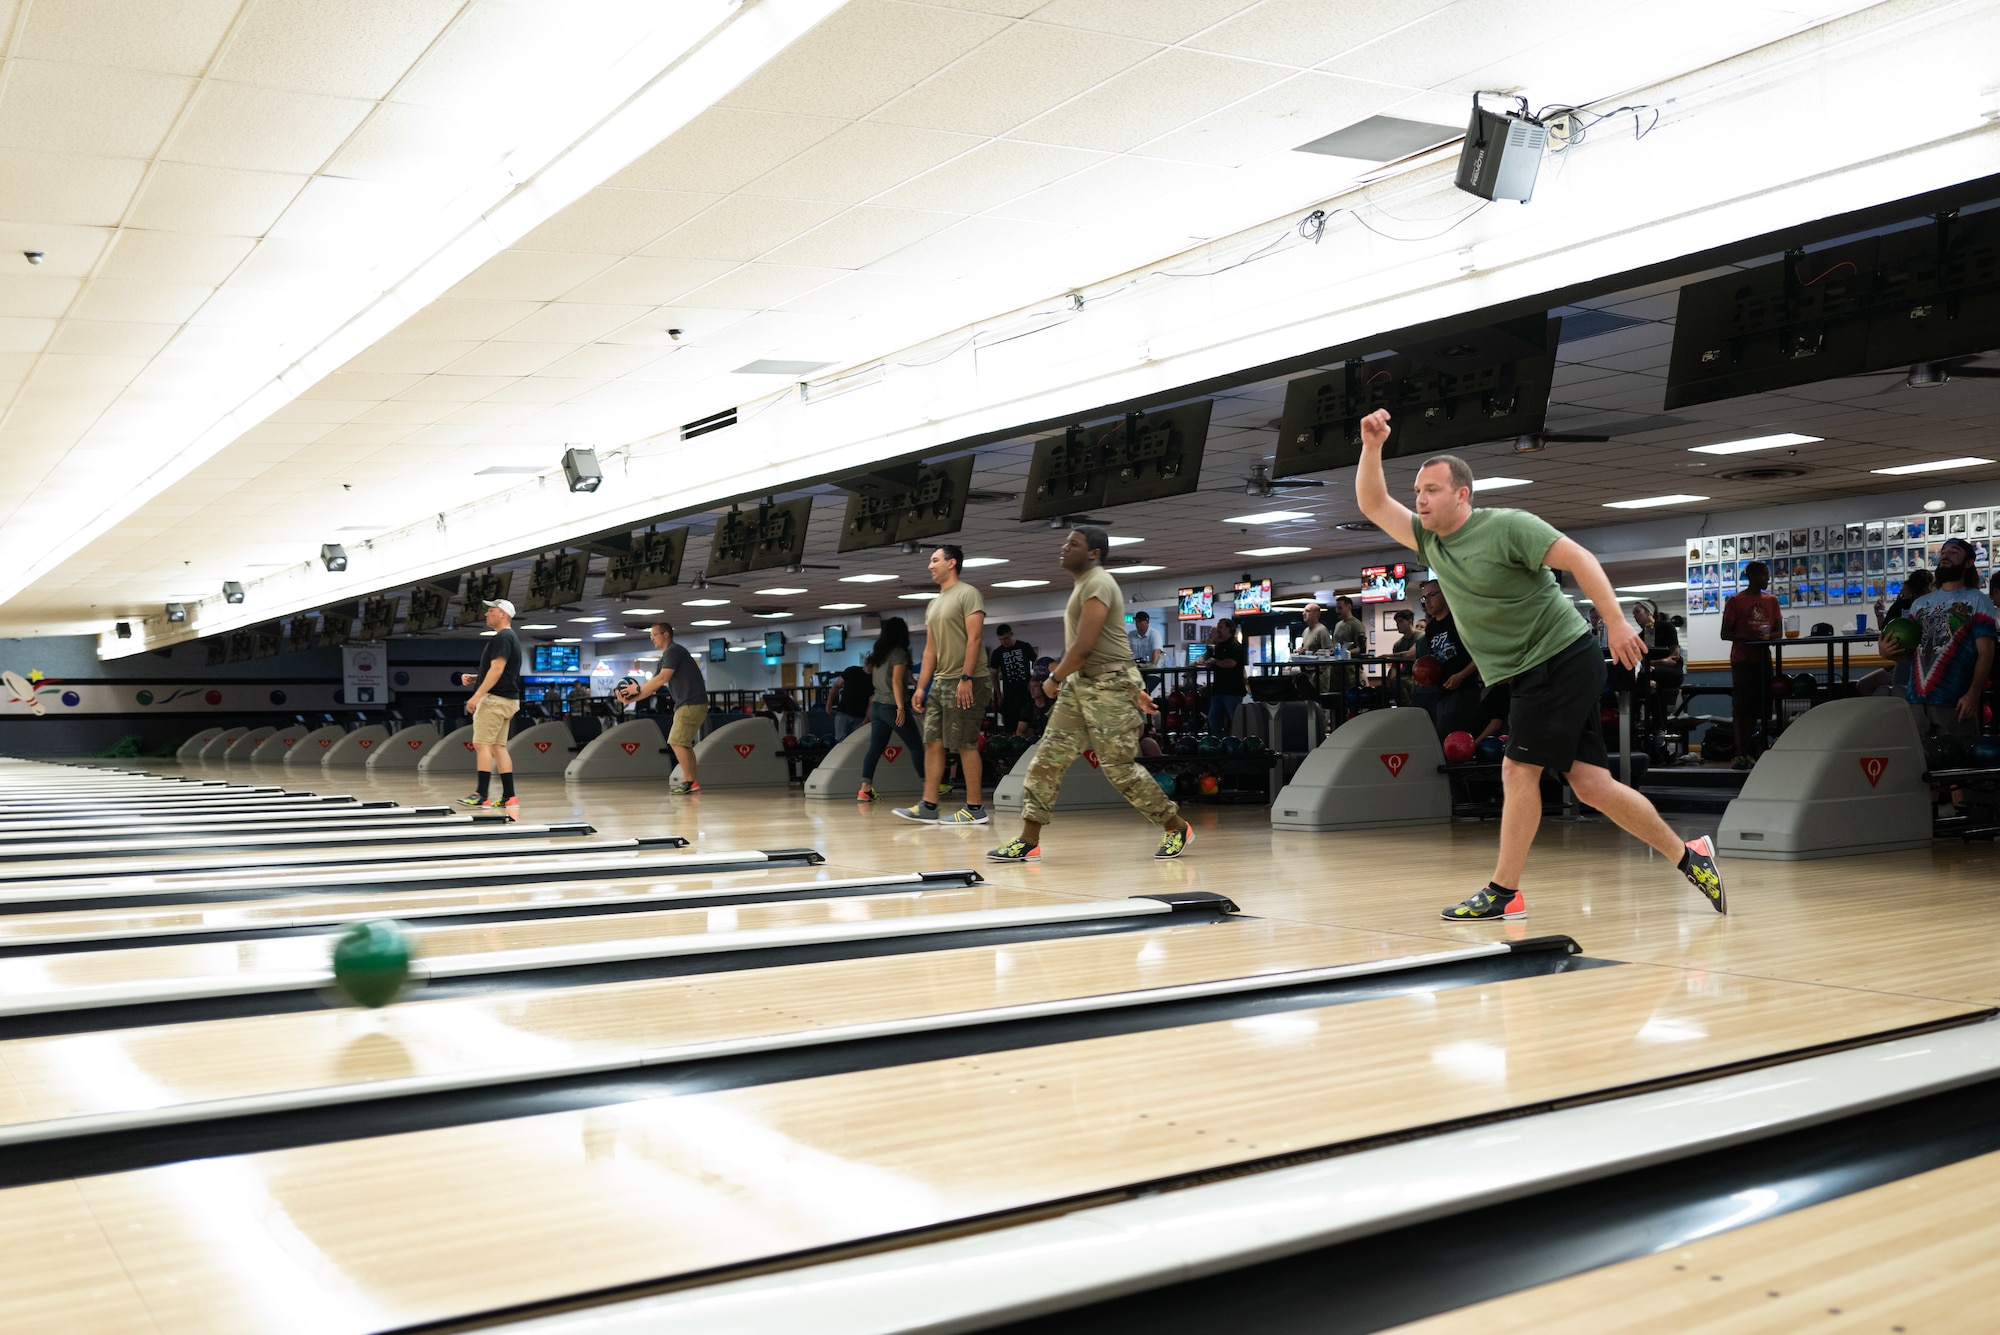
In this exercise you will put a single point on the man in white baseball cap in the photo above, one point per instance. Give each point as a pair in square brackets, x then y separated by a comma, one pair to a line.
[495, 699]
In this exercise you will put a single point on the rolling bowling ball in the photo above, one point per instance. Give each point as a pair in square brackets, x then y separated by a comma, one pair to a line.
[371, 962]
[1427, 671]
[1210, 785]
[1232, 745]
[1490, 749]
[1986, 753]
[1166, 782]
[1903, 633]
[1458, 748]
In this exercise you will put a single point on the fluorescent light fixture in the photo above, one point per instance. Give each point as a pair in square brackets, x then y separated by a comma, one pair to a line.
[1500, 483]
[560, 639]
[1270, 517]
[537, 625]
[584, 621]
[974, 562]
[925, 597]
[706, 602]
[608, 635]
[772, 616]
[1648, 502]
[1933, 507]
[1934, 466]
[780, 593]
[644, 611]
[489, 634]
[1274, 551]
[841, 607]
[865, 579]
[1008, 584]
[1667, 586]
[1135, 570]
[1119, 540]
[1756, 443]
[708, 623]
[816, 639]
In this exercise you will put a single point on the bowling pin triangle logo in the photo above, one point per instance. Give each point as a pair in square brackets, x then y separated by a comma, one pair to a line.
[543, 747]
[1873, 766]
[629, 748]
[414, 743]
[366, 743]
[1395, 760]
[744, 749]
[891, 752]
[1091, 756]
[468, 746]
[326, 742]
[290, 740]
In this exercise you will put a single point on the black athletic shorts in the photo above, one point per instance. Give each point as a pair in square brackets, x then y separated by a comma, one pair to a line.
[1552, 720]
[1015, 705]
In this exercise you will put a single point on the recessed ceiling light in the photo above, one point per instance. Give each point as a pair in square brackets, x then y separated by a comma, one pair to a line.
[643, 611]
[538, 625]
[1755, 443]
[564, 639]
[817, 639]
[841, 607]
[1274, 551]
[1270, 517]
[584, 621]
[708, 623]
[770, 616]
[1119, 540]
[1667, 586]
[1135, 570]
[973, 562]
[926, 597]
[1934, 466]
[1933, 507]
[489, 634]
[1648, 502]
[864, 579]
[780, 592]
[608, 635]
[1500, 483]
[1008, 584]
[706, 602]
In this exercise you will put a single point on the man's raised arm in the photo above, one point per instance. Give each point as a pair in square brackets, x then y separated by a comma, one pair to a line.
[1371, 489]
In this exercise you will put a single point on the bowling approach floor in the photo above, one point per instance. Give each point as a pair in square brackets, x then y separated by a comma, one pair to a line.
[375, 1230]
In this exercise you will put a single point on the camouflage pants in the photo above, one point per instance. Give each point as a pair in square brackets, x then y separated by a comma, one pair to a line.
[1098, 715]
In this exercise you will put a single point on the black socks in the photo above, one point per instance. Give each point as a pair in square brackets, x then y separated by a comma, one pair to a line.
[1687, 860]
[485, 782]
[507, 785]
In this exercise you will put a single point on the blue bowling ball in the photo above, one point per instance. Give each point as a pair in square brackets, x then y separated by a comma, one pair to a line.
[1232, 745]
[1166, 782]
[1490, 749]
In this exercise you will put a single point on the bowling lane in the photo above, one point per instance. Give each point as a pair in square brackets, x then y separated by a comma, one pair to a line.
[31, 930]
[99, 1074]
[435, 1225]
[109, 824]
[193, 852]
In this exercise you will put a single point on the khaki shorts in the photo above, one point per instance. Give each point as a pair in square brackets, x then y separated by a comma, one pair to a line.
[686, 729]
[945, 722]
[490, 720]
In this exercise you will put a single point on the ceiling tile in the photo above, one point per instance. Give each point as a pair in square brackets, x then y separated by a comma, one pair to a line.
[647, 278]
[1302, 108]
[757, 286]
[1150, 20]
[991, 174]
[47, 187]
[1019, 74]
[263, 129]
[742, 227]
[1159, 96]
[342, 48]
[509, 359]
[615, 222]
[340, 385]
[527, 275]
[179, 197]
[723, 149]
[452, 388]
[89, 110]
[862, 55]
[541, 389]
[579, 322]
[604, 361]
[21, 334]
[128, 34]
[174, 257]
[861, 236]
[1307, 32]
[408, 356]
[124, 299]
[111, 338]
[1113, 185]
[406, 144]
[451, 318]
[865, 159]
[34, 296]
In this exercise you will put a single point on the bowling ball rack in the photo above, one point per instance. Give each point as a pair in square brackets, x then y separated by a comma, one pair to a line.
[1243, 778]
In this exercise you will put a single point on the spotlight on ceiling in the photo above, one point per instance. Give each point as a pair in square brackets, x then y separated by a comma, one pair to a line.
[1927, 375]
[333, 556]
[580, 467]
[177, 612]
[232, 592]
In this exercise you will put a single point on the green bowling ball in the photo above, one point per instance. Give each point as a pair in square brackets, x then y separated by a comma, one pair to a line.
[371, 962]
[1904, 633]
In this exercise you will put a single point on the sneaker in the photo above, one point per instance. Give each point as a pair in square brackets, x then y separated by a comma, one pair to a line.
[1742, 762]
[682, 786]
[1015, 850]
[510, 805]
[472, 800]
[1174, 842]
[1483, 904]
[915, 811]
[967, 816]
[1702, 874]
[866, 794]
[945, 789]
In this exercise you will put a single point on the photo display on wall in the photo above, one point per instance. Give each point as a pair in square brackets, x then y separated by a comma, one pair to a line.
[1851, 564]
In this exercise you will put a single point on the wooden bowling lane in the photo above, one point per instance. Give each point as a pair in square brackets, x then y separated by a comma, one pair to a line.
[283, 819]
[148, 1071]
[35, 984]
[193, 852]
[443, 1224]
[35, 930]
[136, 840]
[1915, 1255]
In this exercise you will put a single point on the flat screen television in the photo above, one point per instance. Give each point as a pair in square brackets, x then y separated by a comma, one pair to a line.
[558, 658]
[774, 644]
[1384, 584]
[1197, 604]
[833, 637]
[1253, 596]
[1196, 653]
[718, 650]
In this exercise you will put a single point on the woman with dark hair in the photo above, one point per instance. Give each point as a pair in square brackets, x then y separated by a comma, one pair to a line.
[1662, 670]
[889, 707]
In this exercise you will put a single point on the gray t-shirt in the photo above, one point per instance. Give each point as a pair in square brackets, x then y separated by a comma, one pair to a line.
[686, 686]
[885, 677]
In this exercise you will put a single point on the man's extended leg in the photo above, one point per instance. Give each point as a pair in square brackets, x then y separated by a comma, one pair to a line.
[1520, 819]
[1633, 813]
[503, 765]
[1113, 724]
[933, 771]
[1062, 742]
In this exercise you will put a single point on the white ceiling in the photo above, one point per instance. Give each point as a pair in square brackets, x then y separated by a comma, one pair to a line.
[904, 168]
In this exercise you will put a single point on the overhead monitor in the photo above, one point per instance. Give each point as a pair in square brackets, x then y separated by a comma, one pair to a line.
[301, 633]
[481, 590]
[242, 645]
[558, 658]
[833, 638]
[1197, 604]
[1486, 383]
[555, 581]
[335, 629]
[430, 603]
[378, 618]
[1253, 596]
[270, 640]
[1119, 461]
[653, 561]
[718, 650]
[762, 538]
[774, 644]
[1384, 584]
[905, 504]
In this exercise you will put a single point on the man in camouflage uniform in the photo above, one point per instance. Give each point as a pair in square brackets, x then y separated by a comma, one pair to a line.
[1099, 703]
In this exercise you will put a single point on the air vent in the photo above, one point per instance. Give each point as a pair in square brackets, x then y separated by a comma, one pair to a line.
[1764, 473]
[1356, 526]
[701, 426]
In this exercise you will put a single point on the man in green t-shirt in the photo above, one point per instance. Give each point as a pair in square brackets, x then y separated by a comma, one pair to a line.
[1099, 708]
[954, 657]
[1494, 566]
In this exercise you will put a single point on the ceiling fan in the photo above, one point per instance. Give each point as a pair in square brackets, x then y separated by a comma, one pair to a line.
[1929, 375]
[1261, 483]
[1533, 442]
